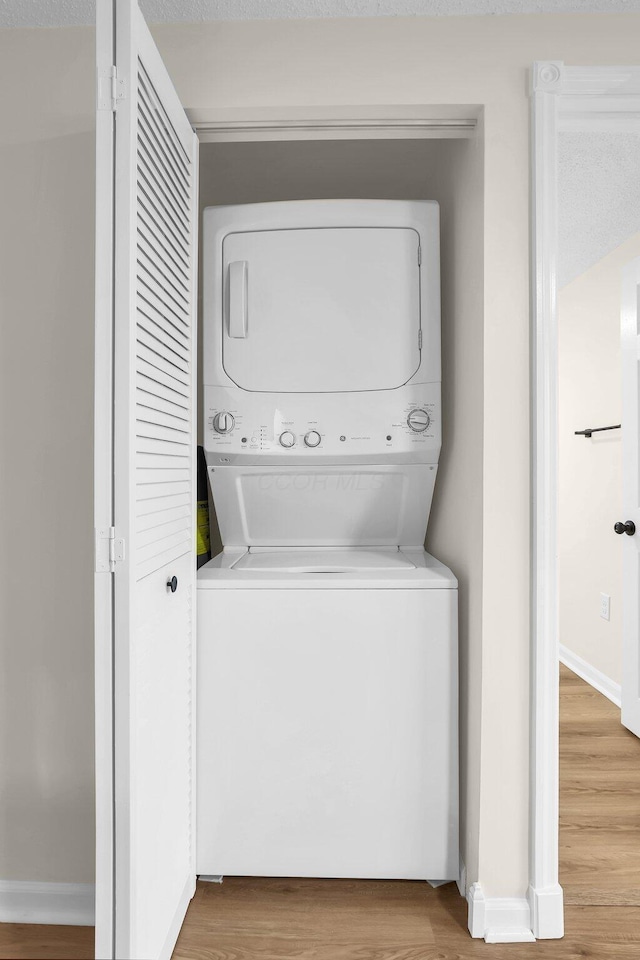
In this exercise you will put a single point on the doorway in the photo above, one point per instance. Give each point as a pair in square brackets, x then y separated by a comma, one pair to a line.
[573, 102]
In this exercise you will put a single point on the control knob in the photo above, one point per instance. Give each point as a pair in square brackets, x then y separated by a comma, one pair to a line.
[312, 439]
[287, 439]
[419, 420]
[223, 422]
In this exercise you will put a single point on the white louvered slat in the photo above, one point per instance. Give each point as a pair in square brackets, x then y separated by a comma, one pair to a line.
[157, 175]
[155, 461]
[156, 504]
[157, 342]
[164, 374]
[147, 247]
[150, 521]
[151, 211]
[149, 394]
[152, 306]
[151, 478]
[152, 226]
[153, 276]
[174, 150]
[153, 381]
[152, 319]
[162, 448]
[150, 232]
[161, 531]
[152, 414]
[153, 293]
[151, 189]
[162, 557]
[150, 491]
[163, 362]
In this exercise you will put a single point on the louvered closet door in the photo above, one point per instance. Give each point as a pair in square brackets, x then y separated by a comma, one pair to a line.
[154, 496]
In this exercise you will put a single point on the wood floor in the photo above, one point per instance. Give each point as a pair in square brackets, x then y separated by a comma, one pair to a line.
[263, 919]
[599, 800]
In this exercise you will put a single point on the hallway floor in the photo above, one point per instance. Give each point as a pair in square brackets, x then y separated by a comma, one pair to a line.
[267, 919]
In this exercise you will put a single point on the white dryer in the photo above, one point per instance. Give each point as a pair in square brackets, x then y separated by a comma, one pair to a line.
[327, 637]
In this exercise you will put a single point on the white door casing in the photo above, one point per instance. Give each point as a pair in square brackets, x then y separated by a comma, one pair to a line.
[575, 99]
[630, 344]
[154, 262]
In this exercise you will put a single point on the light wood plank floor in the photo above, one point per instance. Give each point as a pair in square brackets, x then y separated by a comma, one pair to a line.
[263, 919]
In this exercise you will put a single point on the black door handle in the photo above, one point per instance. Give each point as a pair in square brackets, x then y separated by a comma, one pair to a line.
[629, 527]
[172, 584]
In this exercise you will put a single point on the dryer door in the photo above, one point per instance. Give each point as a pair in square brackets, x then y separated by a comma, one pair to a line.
[321, 310]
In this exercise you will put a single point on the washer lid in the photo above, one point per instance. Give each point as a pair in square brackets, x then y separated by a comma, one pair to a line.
[321, 310]
[332, 560]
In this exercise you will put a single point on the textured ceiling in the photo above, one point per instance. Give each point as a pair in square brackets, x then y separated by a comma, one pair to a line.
[53, 13]
[598, 197]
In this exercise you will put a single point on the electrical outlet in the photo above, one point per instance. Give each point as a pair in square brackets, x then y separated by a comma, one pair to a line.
[605, 602]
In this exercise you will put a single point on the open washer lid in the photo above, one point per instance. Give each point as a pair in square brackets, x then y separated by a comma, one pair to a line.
[332, 560]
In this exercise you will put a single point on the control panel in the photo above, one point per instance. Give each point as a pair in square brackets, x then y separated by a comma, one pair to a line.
[367, 426]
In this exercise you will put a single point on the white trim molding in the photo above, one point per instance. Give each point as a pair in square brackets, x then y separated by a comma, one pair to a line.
[544, 770]
[499, 919]
[563, 99]
[591, 675]
[29, 901]
[546, 908]
[406, 122]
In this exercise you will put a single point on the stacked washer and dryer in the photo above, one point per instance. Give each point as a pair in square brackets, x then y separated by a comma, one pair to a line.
[327, 637]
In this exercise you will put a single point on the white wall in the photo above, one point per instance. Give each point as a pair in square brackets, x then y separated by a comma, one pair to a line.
[251, 67]
[590, 470]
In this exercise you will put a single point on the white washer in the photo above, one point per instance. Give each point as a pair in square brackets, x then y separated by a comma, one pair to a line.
[327, 637]
[327, 711]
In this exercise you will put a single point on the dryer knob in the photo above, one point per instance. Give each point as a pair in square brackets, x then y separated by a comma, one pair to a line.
[223, 422]
[287, 439]
[419, 420]
[312, 439]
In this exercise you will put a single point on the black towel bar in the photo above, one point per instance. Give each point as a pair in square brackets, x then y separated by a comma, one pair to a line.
[590, 430]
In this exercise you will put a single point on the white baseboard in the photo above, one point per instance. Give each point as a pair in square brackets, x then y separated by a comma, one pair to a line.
[594, 677]
[499, 919]
[547, 912]
[27, 901]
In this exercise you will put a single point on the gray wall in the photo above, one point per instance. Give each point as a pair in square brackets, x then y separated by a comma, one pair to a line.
[450, 172]
[46, 480]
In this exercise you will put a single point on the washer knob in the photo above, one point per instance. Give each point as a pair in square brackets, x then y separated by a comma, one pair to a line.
[223, 422]
[312, 439]
[287, 439]
[419, 421]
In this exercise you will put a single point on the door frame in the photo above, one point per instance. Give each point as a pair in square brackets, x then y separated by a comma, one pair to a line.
[563, 99]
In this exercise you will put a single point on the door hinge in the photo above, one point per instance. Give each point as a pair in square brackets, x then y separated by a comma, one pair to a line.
[109, 549]
[419, 255]
[110, 89]
[419, 339]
